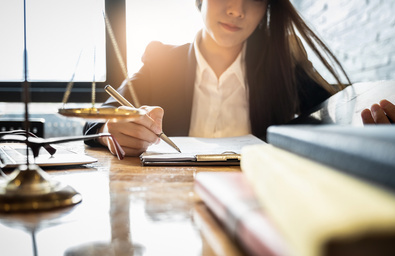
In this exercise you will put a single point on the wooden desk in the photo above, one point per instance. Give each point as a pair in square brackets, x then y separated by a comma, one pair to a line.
[126, 209]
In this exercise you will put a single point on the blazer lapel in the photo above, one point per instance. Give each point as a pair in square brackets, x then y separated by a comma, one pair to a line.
[189, 83]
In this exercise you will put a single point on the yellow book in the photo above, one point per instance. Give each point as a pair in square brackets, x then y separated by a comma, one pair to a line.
[319, 210]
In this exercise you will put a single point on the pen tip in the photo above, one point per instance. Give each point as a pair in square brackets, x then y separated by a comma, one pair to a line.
[168, 141]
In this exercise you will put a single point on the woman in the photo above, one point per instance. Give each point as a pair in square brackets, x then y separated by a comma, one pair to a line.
[245, 70]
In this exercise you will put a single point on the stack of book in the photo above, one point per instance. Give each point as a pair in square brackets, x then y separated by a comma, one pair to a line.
[311, 191]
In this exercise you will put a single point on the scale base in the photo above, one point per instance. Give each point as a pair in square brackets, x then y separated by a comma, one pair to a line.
[29, 188]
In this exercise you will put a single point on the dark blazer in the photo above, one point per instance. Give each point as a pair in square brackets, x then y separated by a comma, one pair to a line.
[167, 80]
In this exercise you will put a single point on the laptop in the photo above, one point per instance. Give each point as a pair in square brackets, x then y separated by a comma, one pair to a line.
[14, 154]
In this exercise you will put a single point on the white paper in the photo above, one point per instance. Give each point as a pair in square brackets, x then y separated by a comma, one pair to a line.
[192, 146]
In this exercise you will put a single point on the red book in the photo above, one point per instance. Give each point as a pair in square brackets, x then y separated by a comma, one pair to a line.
[232, 201]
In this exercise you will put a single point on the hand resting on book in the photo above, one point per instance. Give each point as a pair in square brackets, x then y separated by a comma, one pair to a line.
[382, 113]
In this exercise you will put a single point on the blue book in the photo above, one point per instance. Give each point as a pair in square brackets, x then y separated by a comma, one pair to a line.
[365, 152]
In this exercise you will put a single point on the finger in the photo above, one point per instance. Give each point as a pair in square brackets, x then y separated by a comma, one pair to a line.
[106, 141]
[388, 108]
[149, 124]
[116, 148]
[379, 115]
[132, 133]
[134, 147]
[130, 145]
[367, 117]
[156, 113]
[156, 116]
[133, 151]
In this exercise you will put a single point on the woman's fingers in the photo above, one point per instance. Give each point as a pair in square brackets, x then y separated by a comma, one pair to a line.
[383, 113]
[367, 117]
[379, 115]
[389, 109]
[132, 133]
[156, 115]
[135, 136]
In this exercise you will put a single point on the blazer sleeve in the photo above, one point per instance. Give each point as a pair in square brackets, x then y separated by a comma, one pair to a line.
[161, 81]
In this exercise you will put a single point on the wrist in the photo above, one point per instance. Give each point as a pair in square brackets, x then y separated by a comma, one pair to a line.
[102, 140]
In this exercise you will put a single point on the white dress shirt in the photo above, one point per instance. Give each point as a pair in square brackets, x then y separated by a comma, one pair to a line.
[220, 106]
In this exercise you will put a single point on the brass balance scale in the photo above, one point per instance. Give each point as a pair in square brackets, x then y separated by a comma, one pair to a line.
[29, 188]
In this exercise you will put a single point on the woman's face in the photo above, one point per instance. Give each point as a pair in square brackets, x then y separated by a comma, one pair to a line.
[230, 22]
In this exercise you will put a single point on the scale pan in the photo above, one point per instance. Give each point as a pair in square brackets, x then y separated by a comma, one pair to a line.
[103, 113]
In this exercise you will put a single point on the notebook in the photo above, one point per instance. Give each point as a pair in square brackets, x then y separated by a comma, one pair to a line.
[14, 154]
[199, 151]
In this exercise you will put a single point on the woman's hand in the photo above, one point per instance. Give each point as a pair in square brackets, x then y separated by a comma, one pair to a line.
[382, 113]
[134, 137]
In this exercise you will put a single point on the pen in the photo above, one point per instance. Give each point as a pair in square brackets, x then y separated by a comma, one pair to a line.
[124, 102]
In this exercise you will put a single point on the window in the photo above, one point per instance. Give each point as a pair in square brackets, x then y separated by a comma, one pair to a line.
[168, 21]
[62, 38]
[11, 49]
[65, 40]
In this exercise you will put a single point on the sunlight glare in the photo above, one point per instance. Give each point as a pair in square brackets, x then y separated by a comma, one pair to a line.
[168, 21]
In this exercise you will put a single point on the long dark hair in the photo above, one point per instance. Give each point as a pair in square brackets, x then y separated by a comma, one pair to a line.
[272, 66]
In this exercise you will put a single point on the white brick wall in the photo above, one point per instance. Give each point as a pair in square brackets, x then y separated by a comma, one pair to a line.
[361, 34]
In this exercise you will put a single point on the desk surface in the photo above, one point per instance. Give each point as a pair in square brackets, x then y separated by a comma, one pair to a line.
[126, 209]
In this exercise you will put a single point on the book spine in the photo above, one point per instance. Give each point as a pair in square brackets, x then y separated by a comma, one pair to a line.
[217, 240]
[319, 210]
[241, 216]
[364, 157]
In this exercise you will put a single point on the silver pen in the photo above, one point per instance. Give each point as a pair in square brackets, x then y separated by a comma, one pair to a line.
[124, 102]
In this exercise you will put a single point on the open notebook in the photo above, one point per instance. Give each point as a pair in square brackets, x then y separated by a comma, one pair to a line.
[199, 151]
[14, 154]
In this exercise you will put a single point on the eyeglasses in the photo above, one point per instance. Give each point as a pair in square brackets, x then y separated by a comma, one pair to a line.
[35, 143]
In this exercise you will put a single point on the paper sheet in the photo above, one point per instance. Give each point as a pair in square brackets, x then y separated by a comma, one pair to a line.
[192, 146]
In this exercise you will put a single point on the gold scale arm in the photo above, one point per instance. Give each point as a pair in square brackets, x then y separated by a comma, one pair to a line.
[105, 113]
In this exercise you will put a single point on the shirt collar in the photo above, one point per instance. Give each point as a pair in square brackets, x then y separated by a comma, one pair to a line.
[238, 66]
